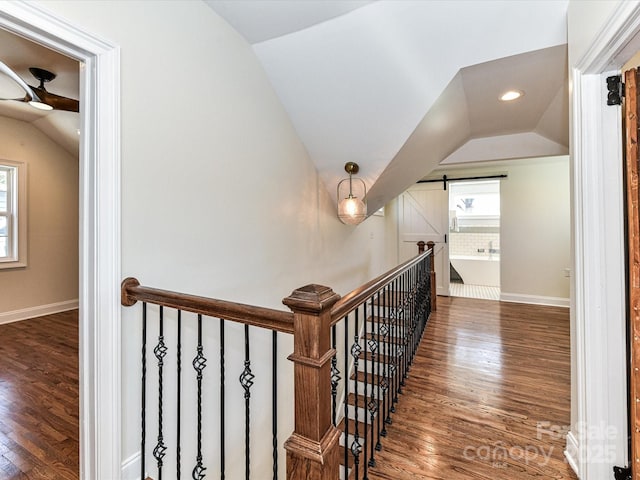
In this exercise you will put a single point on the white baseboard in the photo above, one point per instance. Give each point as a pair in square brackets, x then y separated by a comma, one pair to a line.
[535, 299]
[131, 467]
[39, 311]
[571, 452]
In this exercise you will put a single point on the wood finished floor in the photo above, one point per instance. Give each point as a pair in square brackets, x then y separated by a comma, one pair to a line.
[39, 398]
[489, 382]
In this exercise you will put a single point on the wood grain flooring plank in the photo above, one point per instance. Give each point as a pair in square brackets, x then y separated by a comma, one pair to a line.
[489, 381]
[39, 429]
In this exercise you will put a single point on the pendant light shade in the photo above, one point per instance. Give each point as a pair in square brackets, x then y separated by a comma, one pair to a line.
[352, 192]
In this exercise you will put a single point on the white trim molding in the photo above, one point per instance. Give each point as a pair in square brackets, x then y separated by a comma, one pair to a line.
[131, 468]
[37, 311]
[99, 296]
[534, 299]
[571, 452]
[598, 437]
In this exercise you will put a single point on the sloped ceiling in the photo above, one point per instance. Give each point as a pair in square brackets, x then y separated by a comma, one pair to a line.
[20, 54]
[401, 86]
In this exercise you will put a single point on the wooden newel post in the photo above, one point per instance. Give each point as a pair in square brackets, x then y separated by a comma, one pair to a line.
[312, 449]
[432, 267]
[421, 246]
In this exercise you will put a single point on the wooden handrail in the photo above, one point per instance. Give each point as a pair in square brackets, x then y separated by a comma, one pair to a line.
[281, 321]
[356, 297]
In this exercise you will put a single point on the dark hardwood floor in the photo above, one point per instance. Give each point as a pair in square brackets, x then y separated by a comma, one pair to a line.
[39, 398]
[488, 396]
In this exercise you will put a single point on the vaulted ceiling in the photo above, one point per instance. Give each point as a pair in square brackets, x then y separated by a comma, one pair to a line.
[401, 87]
[398, 86]
[20, 54]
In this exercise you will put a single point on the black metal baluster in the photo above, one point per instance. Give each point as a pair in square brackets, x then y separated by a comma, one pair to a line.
[160, 351]
[382, 358]
[199, 363]
[382, 383]
[365, 396]
[335, 377]
[356, 447]
[372, 405]
[246, 380]
[274, 402]
[388, 348]
[179, 394]
[143, 436]
[222, 403]
[395, 367]
[346, 398]
[406, 320]
[403, 330]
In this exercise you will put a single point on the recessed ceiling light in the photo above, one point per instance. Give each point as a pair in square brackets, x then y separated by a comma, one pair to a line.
[511, 95]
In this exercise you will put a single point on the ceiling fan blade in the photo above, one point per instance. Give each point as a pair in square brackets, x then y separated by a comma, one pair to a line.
[4, 68]
[58, 102]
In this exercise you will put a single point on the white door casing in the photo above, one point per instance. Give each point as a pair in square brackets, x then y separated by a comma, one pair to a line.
[100, 256]
[424, 215]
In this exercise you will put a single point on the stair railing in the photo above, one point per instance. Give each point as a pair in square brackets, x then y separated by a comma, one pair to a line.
[340, 414]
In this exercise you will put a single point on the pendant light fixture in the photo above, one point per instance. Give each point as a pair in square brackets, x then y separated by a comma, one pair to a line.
[352, 192]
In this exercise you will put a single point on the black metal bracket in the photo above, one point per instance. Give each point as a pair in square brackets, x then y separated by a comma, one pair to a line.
[622, 473]
[615, 89]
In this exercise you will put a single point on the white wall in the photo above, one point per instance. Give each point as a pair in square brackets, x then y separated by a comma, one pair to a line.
[535, 226]
[219, 196]
[50, 281]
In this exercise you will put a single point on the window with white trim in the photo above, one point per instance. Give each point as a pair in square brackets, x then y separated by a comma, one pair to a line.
[13, 221]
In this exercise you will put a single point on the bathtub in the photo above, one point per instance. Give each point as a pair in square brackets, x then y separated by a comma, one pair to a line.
[477, 270]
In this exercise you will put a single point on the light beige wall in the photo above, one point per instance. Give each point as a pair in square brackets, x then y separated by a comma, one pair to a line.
[535, 228]
[219, 196]
[52, 185]
[535, 225]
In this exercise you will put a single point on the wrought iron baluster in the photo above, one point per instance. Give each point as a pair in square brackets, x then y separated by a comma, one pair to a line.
[199, 363]
[160, 351]
[143, 425]
[403, 326]
[356, 447]
[222, 403]
[274, 402]
[381, 359]
[388, 348]
[372, 405]
[179, 395]
[246, 380]
[335, 377]
[346, 398]
[395, 367]
[365, 397]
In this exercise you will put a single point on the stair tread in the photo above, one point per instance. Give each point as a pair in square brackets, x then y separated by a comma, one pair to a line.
[362, 400]
[369, 378]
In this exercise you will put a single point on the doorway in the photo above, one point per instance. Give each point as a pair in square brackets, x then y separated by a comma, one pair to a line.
[99, 313]
[474, 239]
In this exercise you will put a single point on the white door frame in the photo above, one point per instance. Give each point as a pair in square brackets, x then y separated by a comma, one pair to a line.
[99, 315]
[598, 437]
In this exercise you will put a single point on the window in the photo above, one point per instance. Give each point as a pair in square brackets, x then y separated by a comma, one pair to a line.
[13, 215]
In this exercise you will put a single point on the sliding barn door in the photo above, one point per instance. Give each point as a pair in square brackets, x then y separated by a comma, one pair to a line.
[424, 215]
[633, 248]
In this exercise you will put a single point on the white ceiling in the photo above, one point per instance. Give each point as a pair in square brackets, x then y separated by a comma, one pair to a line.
[20, 54]
[400, 86]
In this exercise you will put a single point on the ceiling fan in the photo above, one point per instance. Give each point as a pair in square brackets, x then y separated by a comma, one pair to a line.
[39, 97]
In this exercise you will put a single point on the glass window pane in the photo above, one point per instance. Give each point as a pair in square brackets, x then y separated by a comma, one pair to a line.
[4, 241]
[4, 179]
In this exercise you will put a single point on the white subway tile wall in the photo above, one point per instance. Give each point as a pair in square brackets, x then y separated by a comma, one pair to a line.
[474, 244]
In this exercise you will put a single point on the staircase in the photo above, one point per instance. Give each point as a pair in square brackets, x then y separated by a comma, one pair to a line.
[376, 379]
[344, 391]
